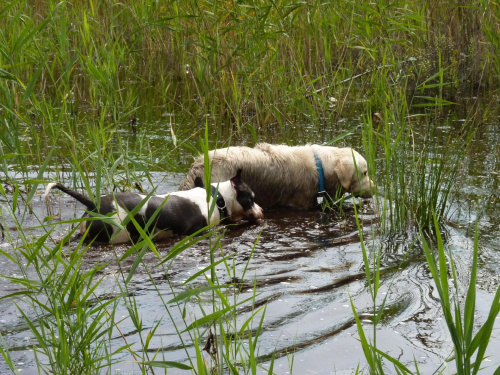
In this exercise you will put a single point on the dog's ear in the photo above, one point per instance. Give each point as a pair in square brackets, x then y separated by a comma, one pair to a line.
[198, 182]
[236, 180]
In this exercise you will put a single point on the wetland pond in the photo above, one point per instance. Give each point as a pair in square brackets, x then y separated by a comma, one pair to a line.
[306, 265]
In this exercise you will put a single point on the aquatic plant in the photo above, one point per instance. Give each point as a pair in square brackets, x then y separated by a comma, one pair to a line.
[458, 310]
[69, 320]
[58, 301]
[256, 68]
[460, 314]
[70, 323]
[414, 182]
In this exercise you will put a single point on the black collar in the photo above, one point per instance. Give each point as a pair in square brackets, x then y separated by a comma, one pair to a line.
[220, 202]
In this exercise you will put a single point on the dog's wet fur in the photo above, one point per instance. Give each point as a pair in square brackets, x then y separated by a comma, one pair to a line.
[281, 175]
[182, 213]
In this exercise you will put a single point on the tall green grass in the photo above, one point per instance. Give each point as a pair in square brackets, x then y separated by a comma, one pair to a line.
[255, 67]
[415, 162]
[73, 321]
[76, 76]
[459, 314]
[470, 338]
[491, 32]
[56, 298]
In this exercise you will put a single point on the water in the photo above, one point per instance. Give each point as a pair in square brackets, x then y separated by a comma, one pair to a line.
[307, 266]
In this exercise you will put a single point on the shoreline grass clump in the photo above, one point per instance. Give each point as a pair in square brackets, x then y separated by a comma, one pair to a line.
[417, 165]
[469, 337]
[70, 325]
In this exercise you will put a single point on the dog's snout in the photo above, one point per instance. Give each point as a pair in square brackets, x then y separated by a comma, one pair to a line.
[368, 191]
[255, 213]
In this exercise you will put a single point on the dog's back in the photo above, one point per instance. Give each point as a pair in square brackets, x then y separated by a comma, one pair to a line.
[279, 175]
[282, 175]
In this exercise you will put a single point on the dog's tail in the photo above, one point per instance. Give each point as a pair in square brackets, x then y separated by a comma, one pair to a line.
[78, 196]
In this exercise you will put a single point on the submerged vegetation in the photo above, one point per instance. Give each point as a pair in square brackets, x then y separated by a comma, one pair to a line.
[100, 94]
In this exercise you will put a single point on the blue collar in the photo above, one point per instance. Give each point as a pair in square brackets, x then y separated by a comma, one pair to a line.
[319, 166]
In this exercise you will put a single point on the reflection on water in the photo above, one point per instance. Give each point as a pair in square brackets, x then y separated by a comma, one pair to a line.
[306, 266]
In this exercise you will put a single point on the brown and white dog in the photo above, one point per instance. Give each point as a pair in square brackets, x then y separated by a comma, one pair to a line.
[281, 175]
[181, 212]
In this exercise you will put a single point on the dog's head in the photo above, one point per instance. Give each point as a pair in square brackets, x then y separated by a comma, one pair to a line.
[347, 167]
[244, 206]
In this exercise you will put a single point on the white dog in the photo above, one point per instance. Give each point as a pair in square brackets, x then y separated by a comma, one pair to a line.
[293, 176]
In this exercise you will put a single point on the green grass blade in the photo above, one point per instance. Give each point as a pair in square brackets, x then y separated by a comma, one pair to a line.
[401, 368]
[186, 243]
[6, 356]
[470, 301]
[166, 364]
[482, 337]
[194, 292]
[31, 84]
[209, 267]
[39, 177]
[207, 319]
[136, 263]
[365, 345]
[202, 370]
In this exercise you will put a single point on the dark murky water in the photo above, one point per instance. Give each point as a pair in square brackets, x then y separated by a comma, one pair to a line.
[306, 265]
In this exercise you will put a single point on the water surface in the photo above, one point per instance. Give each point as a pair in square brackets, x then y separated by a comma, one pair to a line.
[306, 265]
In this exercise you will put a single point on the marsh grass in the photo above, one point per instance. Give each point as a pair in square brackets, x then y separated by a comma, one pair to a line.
[492, 34]
[416, 163]
[256, 68]
[459, 313]
[470, 338]
[71, 325]
[73, 322]
[81, 81]
[227, 335]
